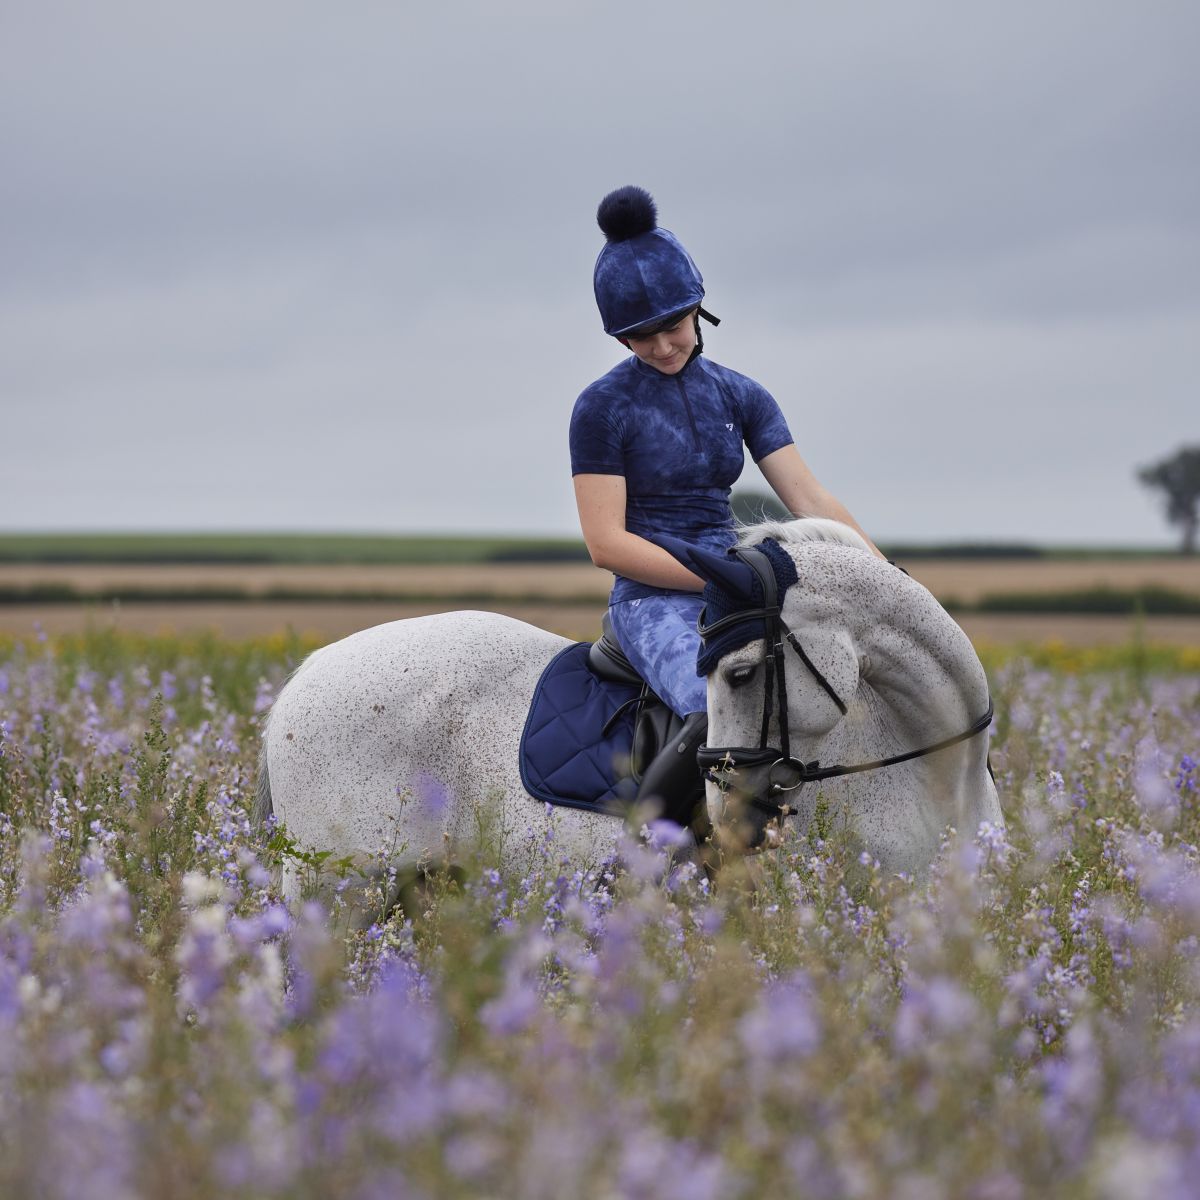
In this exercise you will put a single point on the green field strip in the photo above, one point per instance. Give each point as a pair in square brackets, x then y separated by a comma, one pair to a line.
[366, 549]
[282, 548]
[1149, 600]
[65, 593]
[1152, 600]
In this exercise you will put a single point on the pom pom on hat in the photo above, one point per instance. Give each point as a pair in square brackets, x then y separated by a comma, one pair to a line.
[626, 213]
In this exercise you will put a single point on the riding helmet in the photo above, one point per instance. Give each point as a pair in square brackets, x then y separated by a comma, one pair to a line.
[643, 275]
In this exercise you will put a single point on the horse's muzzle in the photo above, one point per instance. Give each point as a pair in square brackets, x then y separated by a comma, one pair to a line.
[784, 774]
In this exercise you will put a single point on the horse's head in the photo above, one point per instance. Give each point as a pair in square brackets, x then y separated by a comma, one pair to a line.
[823, 662]
[782, 665]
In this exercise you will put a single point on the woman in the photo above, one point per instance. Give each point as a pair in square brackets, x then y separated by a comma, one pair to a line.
[656, 446]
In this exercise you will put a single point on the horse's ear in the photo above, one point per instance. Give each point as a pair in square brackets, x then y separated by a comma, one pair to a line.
[725, 570]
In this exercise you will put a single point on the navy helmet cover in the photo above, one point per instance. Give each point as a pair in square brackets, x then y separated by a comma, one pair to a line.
[643, 274]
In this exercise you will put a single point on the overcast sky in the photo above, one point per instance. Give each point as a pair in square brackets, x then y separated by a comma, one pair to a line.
[315, 266]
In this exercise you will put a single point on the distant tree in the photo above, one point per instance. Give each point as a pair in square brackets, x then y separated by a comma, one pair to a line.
[1179, 477]
[750, 507]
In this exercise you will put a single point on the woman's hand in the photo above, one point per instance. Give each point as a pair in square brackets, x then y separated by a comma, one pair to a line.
[794, 484]
[601, 503]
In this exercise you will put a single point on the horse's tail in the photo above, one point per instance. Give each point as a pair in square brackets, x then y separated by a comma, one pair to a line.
[263, 808]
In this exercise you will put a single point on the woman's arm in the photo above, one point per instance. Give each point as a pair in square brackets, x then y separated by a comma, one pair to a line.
[601, 503]
[794, 484]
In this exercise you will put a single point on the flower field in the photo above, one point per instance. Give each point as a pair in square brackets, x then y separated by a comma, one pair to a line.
[1022, 1024]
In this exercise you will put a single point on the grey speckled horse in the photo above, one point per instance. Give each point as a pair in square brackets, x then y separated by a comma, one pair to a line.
[407, 734]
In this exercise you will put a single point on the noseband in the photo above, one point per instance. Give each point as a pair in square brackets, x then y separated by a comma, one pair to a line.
[786, 773]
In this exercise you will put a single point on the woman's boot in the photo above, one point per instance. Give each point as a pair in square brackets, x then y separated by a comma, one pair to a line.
[673, 778]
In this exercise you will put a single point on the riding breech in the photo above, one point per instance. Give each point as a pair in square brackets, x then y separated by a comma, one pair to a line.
[658, 634]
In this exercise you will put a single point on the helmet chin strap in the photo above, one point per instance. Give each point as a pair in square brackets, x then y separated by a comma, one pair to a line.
[701, 311]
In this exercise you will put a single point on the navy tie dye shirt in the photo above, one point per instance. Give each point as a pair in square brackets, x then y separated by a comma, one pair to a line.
[677, 440]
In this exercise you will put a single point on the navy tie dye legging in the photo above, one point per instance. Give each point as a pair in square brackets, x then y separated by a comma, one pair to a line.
[658, 635]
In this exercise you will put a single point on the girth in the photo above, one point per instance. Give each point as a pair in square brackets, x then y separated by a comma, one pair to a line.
[786, 773]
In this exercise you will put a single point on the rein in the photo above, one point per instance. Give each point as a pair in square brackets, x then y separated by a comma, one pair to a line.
[786, 773]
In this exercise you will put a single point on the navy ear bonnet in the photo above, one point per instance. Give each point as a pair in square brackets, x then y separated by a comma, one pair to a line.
[733, 587]
[643, 275]
[720, 602]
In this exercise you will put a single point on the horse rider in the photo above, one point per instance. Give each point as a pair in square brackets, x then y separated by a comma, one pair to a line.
[656, 446]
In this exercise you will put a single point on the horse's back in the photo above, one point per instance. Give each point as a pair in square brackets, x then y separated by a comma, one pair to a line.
[426, 704]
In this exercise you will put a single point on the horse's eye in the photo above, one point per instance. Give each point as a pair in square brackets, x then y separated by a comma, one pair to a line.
[740, 676]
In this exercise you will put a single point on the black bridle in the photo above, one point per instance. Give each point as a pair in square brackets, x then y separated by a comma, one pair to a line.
[786, 773]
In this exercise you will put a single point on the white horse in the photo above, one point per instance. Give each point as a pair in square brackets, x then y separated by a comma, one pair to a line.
[407, 733]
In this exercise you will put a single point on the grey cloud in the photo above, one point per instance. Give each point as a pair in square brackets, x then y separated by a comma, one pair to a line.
[226, 228]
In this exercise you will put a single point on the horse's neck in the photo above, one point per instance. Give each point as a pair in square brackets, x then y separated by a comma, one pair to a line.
[923, 668]
[923, 683]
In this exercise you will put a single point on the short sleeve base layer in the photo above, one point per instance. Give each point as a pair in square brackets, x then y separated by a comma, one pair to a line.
[677, 440]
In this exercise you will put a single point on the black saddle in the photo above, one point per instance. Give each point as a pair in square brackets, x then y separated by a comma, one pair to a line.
[608, 660]
[655, 724]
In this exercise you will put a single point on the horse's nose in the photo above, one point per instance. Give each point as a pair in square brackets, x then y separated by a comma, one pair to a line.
[739, 832]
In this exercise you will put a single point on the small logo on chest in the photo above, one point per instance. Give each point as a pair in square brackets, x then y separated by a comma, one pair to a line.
[729, 426]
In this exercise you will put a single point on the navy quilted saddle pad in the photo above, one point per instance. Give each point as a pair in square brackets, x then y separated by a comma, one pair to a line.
[565, 759]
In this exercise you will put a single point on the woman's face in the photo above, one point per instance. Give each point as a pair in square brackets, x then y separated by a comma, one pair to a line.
[669, 349]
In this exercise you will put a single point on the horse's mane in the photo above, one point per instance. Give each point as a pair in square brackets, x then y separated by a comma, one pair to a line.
[801, 529]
